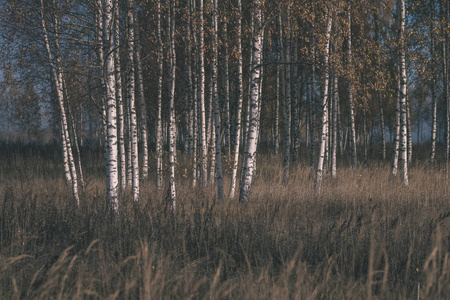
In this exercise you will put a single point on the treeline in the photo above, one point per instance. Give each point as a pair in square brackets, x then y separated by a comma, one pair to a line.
[216, 79]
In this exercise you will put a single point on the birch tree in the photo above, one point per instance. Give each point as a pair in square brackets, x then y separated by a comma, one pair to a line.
[433, 86]
[57, 77]
[216, 105]
[351, 110]
[396, 146]
[324, 105]
[119, 101]
[335, 98]
[445, 15]
[201, 47]
[254, 116]
[172, 124]
[403, 104]
[287, 102]
[141, 96]
[278, 86]
[112, 172]
[226, 89]
[131, 102]
[239, 95]
[159, 175]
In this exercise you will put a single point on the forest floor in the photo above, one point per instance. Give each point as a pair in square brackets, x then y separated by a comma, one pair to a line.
[365, 236]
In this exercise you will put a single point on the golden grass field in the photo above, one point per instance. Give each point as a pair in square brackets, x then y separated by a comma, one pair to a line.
[365, 236]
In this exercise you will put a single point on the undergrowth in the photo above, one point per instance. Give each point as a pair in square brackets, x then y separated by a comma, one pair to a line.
[365, 236]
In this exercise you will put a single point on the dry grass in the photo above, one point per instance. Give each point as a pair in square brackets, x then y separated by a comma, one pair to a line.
[364, 237]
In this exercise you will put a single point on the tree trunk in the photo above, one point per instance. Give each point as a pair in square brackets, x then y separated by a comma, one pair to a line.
[56, 69]
[226, 92]
[334, 123]
[403, 103]
[433, 87]
[446, 89]
[296, 97]
[351, 111]
[191, 91]
[397, 129]
[312, 108]
[75, 140]
[172, 123]
[131, 102]
[380, 100]
[119, 101]
[202, 97]
[239, 95]
[215, 99]
[408, 124]
[324, 107]
[287, 103]
[254, 116]
[141, 94]
[112, 155]
[278, 85]
[159, 146]
[365, 132]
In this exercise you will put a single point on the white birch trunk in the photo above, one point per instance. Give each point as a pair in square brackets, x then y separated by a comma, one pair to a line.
[408, 126]
[365, 131]
[324, 107]
[351, 111]
[75, 139]
[131, 102]
[396, 145]
[226, 87]
[211, 137]
[254, 116]
[112, 155]
[312, 108]
[56, 69]
[204, 149]
[141, 96]
[278, 86]
[172, 124]
[433, 89]
[296, 98]
[159, 175]
[334, 123]
[119, 101]
[287, 102]
[445, 16]
[403, 104]
[216, 105]
[239, 95]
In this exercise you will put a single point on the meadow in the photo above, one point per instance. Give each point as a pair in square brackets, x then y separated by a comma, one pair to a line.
[364, 237]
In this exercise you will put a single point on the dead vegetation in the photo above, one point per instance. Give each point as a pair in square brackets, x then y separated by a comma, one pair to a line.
[366, 236]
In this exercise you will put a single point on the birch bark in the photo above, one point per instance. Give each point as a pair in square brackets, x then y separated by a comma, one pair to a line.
[131, 102]
[239, 94]
[324, 107]
[216, 105]
[159, 175]
[287, 103]
[172, 124]
[403, 104]
[351, 111]
[141, 95]
[119, 101]
[112, 186]
[254, 116]
[433, 87]
[56, 69]
[204, 149]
